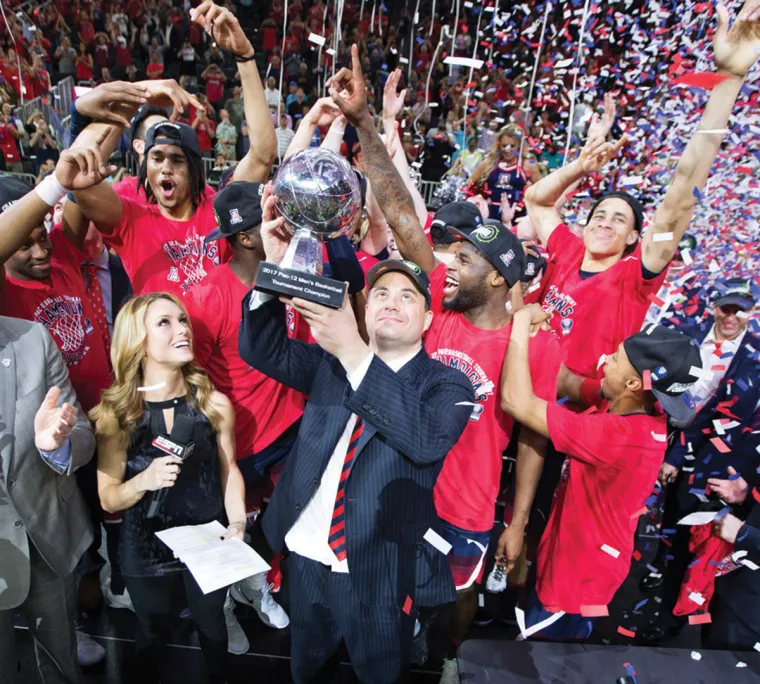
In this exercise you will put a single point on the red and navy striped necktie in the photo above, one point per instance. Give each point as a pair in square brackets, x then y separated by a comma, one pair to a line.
[337, 537]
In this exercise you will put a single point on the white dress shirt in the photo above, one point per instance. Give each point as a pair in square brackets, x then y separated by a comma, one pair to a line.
[104, 278]
[706, 386]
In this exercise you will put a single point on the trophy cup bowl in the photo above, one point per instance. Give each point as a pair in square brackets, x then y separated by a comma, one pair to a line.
[318, 194]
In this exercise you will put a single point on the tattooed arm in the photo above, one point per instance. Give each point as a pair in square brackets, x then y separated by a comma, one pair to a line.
[397, 205]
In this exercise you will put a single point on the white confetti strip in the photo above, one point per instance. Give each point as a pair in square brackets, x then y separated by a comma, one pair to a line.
[696, 656]
[662, 237]
[608, 549]
[697, 598]
[432, 537]
[317, 40]
[464, 61]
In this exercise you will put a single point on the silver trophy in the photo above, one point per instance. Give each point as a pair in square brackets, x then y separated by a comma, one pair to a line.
[319, 196]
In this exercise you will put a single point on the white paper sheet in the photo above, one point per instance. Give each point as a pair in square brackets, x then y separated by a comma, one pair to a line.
[213, 563]
[701, 518]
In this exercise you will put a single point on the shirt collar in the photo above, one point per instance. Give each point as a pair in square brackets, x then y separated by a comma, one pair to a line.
[397, 364]
[729, 344]
[101, 261]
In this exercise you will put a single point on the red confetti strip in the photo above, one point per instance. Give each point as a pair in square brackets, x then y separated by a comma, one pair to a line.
[594, 611]
[703, 619]
[636, 555]
[703, 79]
[655, 300]
[626, 632]
[647, 375]
[720, 445]
[639, 513]
[408, 605]
[755, 494]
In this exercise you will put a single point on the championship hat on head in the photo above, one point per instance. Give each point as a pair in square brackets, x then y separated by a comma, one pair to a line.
[737, 292]
[237, 208]
[170, 133]
[408, 268]
[673, 363]
[636, 207]
[500, 246]
[463, 216]
[11, 191]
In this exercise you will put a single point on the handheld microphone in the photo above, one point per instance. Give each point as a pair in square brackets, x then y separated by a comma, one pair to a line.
[179, 444]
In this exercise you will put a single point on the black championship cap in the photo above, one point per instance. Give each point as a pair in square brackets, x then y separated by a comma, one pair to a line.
[500, 246]
[11, 191]
[463, 216]
[237, 208]
[736, 291]
[408, 268]
[169, 133]
[673, 363]
[630, 200]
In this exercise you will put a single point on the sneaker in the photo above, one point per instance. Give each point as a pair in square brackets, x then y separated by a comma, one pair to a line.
[270, 612]
[237, 641]
[450, 674]
[89, 651]
[117, 600]
[274, 575]
[497, 580]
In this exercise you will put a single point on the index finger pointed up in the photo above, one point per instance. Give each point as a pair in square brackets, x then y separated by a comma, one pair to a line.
[356, 66]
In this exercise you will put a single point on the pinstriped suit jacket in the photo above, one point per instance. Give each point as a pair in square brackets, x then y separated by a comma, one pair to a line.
[412, 419]
[34, 499]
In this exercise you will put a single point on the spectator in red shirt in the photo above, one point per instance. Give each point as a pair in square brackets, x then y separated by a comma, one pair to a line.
[9, 134]
[215, 80]
[205, 129]
[84, 64]
[86, 29]
[155, 69]
[123, 53]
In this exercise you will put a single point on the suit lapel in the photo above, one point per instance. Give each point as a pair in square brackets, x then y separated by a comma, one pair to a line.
[7, 400]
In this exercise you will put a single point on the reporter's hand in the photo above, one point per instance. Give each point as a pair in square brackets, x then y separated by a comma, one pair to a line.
[161, 473]
[53, 424]
[275, 237]
[509, 546]
[235, 530]
[731, 491]
[98, 104]
[668, 474]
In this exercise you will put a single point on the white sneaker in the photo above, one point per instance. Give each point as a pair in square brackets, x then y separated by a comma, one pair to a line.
[117, 600]
[89, 651]
[270, 612]
[237, 641]
[450, 673]
[497, 580]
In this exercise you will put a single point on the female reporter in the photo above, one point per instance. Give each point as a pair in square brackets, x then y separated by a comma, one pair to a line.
[155, 382]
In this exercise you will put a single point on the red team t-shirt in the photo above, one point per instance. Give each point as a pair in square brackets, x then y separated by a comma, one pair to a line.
[61, 305]
[264, 408]
[612, 465]
[592, 316]
[163, 255]
[468, 485]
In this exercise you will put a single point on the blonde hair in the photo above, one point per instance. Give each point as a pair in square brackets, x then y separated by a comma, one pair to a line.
[121, 406]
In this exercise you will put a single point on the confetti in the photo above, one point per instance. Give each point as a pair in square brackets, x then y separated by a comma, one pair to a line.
[647, 377]
[594, 611]
[703, 619]
[317, 40]
[612, 552]
[432, 537]
[705, 80]
[662, 237]
[626, 632]
[696, 656]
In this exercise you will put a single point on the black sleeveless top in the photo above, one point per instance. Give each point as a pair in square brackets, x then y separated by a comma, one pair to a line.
[195, 498]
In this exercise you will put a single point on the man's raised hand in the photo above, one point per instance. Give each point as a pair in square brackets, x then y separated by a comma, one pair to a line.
[80, 168]
[348, 92]
[223, 27]
[738, 49]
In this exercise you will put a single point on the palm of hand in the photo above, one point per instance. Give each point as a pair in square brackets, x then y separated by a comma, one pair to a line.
[738, 50]
[43, 424]
[231, 40]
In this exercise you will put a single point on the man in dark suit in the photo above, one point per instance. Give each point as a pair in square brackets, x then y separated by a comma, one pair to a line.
[354, 505]
[728, 389]
[107, 288]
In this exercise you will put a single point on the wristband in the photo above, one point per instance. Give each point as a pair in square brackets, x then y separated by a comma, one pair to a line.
[51, 191]
[239, 59]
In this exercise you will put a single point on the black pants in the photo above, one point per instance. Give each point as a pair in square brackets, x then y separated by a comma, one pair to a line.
[325, 610]
[157, 601]
[676, 555]
[727, 630]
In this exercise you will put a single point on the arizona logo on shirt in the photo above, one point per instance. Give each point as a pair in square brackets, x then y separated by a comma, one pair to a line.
[454, 358]
[64, 319]
[563, 304]
[187, 259]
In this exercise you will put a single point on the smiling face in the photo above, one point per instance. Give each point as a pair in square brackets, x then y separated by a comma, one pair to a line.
[509, 147]
[396, 314]
[611, 228]
[169, 339]
[728, 324]
[470, 278]
[168, 175]
[32, 260]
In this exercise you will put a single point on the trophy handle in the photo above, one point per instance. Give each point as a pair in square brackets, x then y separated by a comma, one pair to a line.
[304, 253]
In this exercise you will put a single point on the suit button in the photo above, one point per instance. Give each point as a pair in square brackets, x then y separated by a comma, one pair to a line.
[18, 523]
[315, 481]
[298, 507]
[11, 483]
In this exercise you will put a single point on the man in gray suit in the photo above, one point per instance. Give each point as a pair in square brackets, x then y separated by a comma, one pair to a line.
[44, 524]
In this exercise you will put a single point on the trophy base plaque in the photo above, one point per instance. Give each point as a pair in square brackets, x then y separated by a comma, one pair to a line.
[289, 282]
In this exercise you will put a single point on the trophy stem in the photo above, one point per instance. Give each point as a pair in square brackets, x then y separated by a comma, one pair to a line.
[304, 253]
